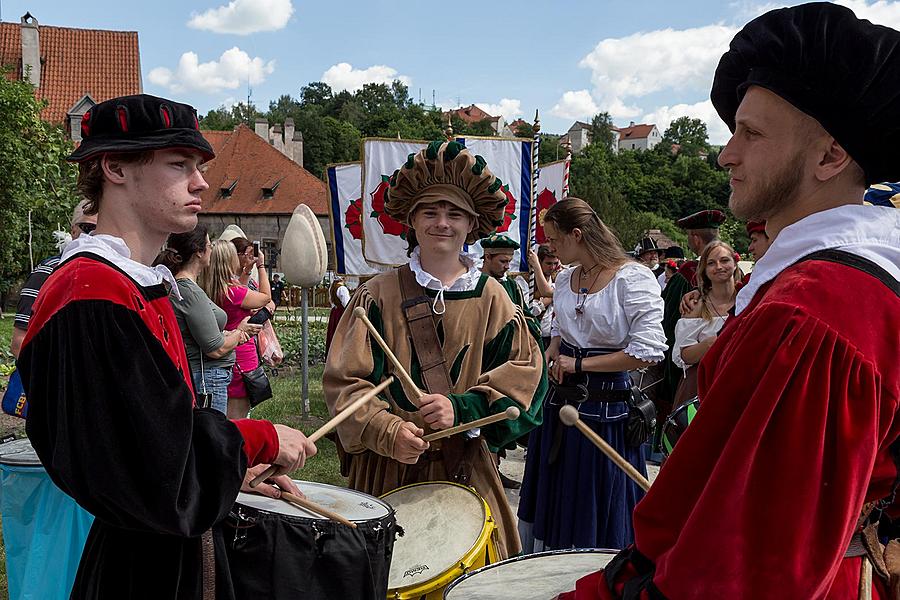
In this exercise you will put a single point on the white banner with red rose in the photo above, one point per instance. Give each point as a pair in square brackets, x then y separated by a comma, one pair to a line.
[384, 239]
[345, 211]
[550, 182]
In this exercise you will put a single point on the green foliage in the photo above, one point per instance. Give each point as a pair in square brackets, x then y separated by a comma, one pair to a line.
[688, 133]
[601, 130]
[226, 119]
[34, 176]
[290, 334]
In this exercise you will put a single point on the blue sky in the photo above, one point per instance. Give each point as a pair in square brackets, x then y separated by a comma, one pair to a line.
[643, 61]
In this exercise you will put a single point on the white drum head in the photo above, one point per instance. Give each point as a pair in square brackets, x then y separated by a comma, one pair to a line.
[350, 504]
[20, 453]
[441, 523]
[534, 577]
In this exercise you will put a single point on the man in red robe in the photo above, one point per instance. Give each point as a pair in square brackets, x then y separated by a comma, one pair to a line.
[796, 439]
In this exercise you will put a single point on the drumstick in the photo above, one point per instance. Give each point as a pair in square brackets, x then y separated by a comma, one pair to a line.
[569, 415]
[312, 506]
[327, 427]
[510, 413]
[360, 313]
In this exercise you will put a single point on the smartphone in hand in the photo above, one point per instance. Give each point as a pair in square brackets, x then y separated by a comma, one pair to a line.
[256, 248]
[260, 316]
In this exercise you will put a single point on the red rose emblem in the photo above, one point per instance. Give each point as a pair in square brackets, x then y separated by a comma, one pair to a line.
[510, 212]
[353, 219]
[389, 225]
[545, 200]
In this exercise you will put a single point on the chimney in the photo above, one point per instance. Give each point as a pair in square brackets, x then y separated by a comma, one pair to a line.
[631, 124]
[289, 138]
[261, 127]
[277, 139]
[31, 49]
[298, 148]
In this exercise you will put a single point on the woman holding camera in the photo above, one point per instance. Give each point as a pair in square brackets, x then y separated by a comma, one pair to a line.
[222, 284]
[208, 343]
[607, 321]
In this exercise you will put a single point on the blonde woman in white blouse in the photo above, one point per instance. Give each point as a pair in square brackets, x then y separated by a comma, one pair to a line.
[696, 332]
[607, 321]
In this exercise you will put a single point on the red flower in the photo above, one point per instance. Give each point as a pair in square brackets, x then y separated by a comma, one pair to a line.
[545, 200]
[388, 224]
[510, 211]
[353, 219]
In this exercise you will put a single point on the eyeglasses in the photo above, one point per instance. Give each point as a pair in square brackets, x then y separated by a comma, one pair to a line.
[86, 227]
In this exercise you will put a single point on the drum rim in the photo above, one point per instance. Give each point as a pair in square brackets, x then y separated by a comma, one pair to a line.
[523, 557]
[391, 512]
[428, 585]
[13, 459]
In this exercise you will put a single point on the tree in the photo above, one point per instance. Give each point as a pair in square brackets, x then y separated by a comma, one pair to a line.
[34, 177]
[226, 119]
[317, 93]
[690, 134]
[601, 131]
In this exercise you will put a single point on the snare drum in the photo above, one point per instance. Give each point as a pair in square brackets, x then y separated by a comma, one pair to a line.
[539, 576]
[277, 550]
[677, 423]
[448, 530]
[44, 530]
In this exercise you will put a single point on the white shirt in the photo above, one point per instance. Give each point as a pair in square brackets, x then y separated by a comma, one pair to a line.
[662, 281]
[872, 232]
[114, 250]
[343, 296]
[625, 314]
[693, 330]
[466, 282]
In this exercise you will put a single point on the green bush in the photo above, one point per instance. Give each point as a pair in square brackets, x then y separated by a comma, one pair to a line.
[290, 334]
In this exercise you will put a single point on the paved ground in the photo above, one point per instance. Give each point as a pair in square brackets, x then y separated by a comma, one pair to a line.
[514, 466]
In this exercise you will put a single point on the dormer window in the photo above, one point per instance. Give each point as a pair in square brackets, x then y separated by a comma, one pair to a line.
[227, 190]
[269, 192]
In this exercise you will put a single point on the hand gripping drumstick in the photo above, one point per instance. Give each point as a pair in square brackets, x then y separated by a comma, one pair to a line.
[327, 427]
[569, 415]
[510, 413]
[360, 313]
[312, 506]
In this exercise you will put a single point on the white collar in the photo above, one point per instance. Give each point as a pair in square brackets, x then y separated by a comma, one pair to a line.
[466, 282]
[115, 250]
[872, 232]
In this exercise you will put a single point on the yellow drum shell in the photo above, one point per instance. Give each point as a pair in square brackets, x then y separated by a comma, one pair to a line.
[441, 540]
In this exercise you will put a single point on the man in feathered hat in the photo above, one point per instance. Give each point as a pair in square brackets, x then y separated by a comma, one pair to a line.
[111, 403]
[478, 352]
[781, 483]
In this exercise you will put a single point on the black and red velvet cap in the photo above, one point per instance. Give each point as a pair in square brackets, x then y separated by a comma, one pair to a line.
[756, 227]
[840, 70]
[705, 219]
[139, 123]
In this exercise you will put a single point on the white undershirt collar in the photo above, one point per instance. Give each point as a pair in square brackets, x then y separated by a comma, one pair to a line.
[466, 282]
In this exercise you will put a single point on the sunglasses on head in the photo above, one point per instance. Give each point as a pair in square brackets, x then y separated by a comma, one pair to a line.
[86, 227]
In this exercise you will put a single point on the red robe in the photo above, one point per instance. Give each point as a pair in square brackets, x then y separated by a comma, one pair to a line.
[799, 407]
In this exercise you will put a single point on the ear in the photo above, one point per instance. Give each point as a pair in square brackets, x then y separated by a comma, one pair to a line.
[113, 170]
[833, 160]
[472, 223]
[576, 233]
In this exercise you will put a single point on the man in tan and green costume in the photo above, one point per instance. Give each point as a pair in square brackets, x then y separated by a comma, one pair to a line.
[491, 360]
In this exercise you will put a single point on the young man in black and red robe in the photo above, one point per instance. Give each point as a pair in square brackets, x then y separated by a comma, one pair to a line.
[779, 485]
[111, 406]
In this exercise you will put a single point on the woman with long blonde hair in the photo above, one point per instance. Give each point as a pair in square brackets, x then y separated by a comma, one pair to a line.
[607, 321]
[221, 284]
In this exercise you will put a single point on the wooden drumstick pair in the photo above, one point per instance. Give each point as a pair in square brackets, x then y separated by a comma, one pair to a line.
[510, 413]
[569, 416]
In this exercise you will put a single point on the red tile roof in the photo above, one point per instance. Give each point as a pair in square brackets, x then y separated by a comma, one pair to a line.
[516, 124]
[252, 162]
[636, 132]
[471, 114]
[102, 64]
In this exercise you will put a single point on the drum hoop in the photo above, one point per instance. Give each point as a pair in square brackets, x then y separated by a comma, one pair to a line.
[467, 559]
[524, 557]
[391, 513]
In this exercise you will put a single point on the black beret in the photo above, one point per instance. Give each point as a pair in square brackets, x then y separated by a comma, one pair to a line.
[840, 70]
[139, 123]
[705, 219]
[674, 252]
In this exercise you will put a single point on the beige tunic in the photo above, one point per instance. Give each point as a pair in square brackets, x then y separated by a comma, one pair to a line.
[494, 361]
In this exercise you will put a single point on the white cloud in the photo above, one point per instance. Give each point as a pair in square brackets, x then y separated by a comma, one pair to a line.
[880, 12]
[508, 107]
[715, 127]
[243, 17]
[231, 71]
[343, 76]
[575, 105]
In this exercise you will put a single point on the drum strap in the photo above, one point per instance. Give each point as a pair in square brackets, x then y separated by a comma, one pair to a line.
[209, 565]
[457, 450]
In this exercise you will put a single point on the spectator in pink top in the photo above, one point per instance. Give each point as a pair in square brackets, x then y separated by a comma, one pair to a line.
[222, 284]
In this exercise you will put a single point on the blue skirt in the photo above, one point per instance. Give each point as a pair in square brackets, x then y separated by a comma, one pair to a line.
[582, 499]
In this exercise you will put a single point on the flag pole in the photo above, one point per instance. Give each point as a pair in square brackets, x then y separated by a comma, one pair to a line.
[532, 234]
[565, 188]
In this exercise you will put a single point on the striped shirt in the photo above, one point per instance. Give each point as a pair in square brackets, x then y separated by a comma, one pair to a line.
[30, 291]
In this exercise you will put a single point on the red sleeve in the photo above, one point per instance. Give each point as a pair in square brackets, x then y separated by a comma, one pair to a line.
[776, 464]
[260, 441]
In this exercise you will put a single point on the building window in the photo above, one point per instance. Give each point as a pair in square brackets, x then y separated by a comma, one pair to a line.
[269, 247]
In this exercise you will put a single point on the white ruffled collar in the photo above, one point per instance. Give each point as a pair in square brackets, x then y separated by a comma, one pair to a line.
[872, 232]
[466, 282]
[114, 250]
